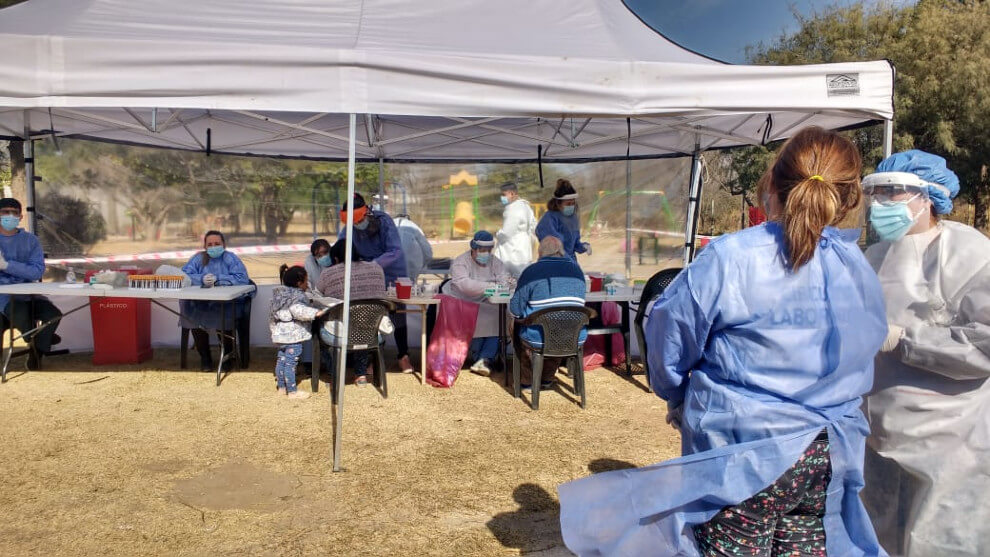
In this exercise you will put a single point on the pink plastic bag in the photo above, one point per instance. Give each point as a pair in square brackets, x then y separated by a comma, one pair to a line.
[450, 340]
[594, 347]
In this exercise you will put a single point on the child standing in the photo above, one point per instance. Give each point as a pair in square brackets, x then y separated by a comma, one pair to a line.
[288, 322]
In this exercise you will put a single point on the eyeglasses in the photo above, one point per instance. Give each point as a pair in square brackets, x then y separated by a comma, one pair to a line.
[893, 192]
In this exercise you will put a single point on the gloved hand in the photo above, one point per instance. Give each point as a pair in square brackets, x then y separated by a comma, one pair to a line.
[674, 414]
[587, 248]
[3, 263]
[209, 280]
[894, 335]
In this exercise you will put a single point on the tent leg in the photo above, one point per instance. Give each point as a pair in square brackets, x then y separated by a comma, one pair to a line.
[32, 220]
[888, 138]
[346, 313]
[694, 203]
[628, 205]
[381, 186]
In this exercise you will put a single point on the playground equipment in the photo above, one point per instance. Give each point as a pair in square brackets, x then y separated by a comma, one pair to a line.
[463, 214]
[605, 194]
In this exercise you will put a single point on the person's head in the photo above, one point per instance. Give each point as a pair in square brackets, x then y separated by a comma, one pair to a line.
[908, 192]
[294, 276]
[564, 198]
[363, 219]
[10, 214]
[481, 247]
[338, 253]
[320, 249]
[510, 192]
[813, 183]
[551, 246]
[214, 245]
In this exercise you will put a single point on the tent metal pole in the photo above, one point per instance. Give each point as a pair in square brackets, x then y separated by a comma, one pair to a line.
[888, 138]
[694, 202]
[32, 219]
[628, 203]
[381, 185]
[338, 392]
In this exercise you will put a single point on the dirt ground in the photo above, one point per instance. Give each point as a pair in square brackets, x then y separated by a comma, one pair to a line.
[142, 460]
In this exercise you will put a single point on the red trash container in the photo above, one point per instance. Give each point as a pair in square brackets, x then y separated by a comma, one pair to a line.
[121, 327]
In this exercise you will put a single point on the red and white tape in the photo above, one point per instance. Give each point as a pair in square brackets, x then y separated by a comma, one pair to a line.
[184, 254]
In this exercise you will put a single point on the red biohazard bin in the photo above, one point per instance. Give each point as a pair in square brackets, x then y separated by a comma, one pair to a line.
[121, 327]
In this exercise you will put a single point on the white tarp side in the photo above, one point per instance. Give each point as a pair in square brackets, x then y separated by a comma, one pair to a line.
[263, 79]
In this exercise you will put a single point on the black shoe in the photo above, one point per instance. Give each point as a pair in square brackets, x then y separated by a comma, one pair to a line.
[547, 385]
[56, 339]
[33, 360]
[206, 363]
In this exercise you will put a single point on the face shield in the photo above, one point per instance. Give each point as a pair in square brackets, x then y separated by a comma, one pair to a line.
[897, 201]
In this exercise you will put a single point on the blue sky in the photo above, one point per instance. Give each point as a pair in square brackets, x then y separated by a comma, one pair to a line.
[722, 28]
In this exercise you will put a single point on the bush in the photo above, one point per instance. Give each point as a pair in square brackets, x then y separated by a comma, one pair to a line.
[68, 226]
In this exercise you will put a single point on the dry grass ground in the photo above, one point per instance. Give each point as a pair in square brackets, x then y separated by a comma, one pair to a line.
[138, 460]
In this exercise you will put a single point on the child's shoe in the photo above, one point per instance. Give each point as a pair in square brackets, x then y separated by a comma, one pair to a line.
[281, 391]
[298, 395]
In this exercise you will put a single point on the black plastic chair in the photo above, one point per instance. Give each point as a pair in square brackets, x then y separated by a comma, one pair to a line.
[653, 289]
[365, 318]
[242, 329]
[561, 334]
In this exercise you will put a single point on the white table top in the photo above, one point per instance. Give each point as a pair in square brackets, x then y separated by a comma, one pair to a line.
[621, 295]
[216, 294]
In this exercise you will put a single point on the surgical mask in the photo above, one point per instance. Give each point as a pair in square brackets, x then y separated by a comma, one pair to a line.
[504, 200]
[9, 222]
[324, 261]
[363, 224]
[214, 251]
[483, 258]
[892, 220]
[568, 210]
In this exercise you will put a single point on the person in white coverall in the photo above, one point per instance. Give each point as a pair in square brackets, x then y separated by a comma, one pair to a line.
[927, 470]
[515, 238]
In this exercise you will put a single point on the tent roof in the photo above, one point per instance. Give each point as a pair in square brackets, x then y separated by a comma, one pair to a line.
[437, 80]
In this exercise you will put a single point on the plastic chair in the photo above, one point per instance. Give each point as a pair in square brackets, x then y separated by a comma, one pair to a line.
[653, 289]
[561, 328]
[363, 335]
[242, 330]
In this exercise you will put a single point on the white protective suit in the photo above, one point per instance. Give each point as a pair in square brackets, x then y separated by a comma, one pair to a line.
[468, 281]
[928, 459]
[515, 238]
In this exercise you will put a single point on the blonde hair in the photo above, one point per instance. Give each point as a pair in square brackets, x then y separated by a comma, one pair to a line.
[816, 180]
[551, 246]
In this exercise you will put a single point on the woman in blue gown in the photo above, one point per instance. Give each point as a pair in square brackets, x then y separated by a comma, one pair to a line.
[562, 220]
[762, 349]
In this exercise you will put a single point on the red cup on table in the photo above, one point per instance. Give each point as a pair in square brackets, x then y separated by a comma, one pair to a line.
[403, 289]
[596, 283]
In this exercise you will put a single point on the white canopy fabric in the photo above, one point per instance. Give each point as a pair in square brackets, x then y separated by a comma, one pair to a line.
[434, 81]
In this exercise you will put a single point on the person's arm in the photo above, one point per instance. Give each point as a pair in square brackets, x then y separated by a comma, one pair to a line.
[502, 275]
[460, 276]
[233, 271]
[960, 350]
[680, 324]
[520, 298]
[579, 246]
[392, 243]
[194, 269]
[303, 312]
[30, 270]
[548, 226]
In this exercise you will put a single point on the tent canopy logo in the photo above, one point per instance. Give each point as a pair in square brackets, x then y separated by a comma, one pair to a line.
[842, 84]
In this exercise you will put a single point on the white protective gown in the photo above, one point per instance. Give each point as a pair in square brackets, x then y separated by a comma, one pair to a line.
[928, 459]
[515, 238]
[468, 281]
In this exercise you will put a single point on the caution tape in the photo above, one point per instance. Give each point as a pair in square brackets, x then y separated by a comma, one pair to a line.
[183, 254]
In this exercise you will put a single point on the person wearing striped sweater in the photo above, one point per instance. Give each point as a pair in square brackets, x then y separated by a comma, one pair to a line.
[553, 281]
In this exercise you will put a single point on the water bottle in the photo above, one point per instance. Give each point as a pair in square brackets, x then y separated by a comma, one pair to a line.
[70, 276]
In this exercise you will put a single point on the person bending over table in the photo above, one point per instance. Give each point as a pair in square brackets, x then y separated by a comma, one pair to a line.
[376, 238]
[22, 260]
[367, 283]
[553, 281]
[214, 266]
[470, 274]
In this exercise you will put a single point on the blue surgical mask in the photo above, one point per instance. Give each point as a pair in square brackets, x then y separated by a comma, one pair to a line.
[324, 261]
[568, 210]
[363, 224]
[214, 251]
[9, 222]
[483, 258]
[504, 200]
[891, 220]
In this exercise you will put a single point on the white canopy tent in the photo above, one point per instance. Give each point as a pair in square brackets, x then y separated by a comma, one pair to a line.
[396, 80]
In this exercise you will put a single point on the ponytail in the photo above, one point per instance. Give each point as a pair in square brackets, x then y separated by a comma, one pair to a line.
[811, 206]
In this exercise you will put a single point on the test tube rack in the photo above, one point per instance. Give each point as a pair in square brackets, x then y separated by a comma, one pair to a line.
[155, 282]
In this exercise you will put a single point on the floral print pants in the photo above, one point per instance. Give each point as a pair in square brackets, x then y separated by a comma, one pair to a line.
[783, 519]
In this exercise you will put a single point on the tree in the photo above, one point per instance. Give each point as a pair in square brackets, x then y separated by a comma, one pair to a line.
[69, 225]
[941, 49]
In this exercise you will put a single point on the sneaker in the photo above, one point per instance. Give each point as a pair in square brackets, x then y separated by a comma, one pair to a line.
[282, 391]
[547, 385]
[406, 365]
[298, 395]
[481, 368]
[361, 380]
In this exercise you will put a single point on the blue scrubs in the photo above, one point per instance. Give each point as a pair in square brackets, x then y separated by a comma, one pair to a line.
[761, 360]
[229, 272]
[382, 246]
[567, 229]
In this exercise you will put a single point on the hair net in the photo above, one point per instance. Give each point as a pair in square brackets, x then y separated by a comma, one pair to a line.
[930, 168]
[482, 239]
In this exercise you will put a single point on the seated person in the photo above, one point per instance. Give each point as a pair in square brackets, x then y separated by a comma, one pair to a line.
[214, 266]
[471, 273]
[22, 260]
[317, 260]
[367, 283]
[553, 281]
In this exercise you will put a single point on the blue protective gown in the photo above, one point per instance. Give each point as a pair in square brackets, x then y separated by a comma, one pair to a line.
[25, 261]
[229, 271]
[761, 359]
[568, 229]
[383, 246]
